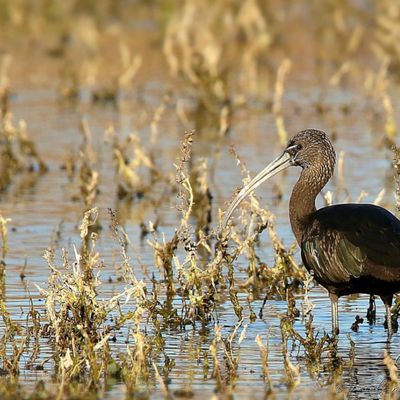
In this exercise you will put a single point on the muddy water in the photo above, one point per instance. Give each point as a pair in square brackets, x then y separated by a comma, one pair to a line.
[38, 211]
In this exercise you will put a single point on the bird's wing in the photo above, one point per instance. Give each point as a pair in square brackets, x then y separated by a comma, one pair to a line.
[341, 241]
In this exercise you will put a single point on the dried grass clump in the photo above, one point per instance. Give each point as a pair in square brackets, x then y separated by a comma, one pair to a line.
[202, 197]
[13, 343]
[208, 43]
[195, 284]
[135, 168]
[4, 237]
[5, 63]
[387, 35]
[225, 373]
[78, 322]
[264, 350]
[18, 153]
[138, 169]
[283, 70]
[75, 315]
[88, 175]
[18, 342]
[77, 325]
[84, 64]
[82, 169]
[33, 19]
[316, 346]
[392, 383]
[380, 83]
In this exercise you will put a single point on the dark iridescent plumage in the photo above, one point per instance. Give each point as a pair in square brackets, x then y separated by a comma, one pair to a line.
[354, 248]
[350, 248]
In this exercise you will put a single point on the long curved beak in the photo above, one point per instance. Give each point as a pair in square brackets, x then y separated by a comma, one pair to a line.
[279, 164]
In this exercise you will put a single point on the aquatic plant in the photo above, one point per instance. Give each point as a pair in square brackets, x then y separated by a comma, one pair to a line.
[19, 155]
[207, 44]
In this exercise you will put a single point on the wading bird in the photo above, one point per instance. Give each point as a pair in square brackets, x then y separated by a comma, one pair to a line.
[350, 248]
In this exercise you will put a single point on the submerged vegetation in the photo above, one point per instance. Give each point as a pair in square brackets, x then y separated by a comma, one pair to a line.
[142, 287]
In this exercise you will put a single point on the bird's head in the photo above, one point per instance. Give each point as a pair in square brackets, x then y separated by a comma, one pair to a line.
[307, 149]
[310, 148]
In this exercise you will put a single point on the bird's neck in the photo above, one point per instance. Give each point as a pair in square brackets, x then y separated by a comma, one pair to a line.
[302, 200]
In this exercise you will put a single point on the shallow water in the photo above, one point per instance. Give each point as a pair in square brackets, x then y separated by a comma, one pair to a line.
[38, 210]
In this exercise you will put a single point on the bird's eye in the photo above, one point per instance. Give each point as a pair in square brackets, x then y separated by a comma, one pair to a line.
[299, 146]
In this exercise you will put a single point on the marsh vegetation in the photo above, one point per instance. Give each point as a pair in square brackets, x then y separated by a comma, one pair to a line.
[125, 129]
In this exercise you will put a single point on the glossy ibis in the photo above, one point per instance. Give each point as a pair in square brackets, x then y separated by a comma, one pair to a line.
[350, 248]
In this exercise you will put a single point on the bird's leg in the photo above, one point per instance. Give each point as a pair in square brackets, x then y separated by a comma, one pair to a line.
[334, 308]
[387, 300]
[371, 312]
[388, 319]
